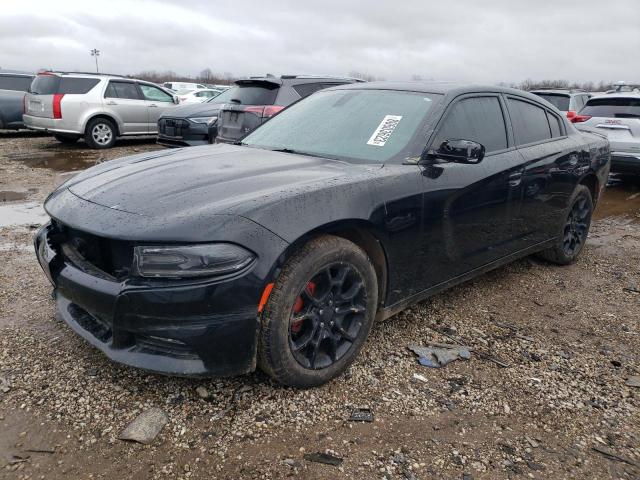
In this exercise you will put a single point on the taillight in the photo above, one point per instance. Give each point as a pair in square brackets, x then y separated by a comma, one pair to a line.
[580, 118]
[57, 107]
[271, 110]
[571, 114]
[258, 110]
[24, 104]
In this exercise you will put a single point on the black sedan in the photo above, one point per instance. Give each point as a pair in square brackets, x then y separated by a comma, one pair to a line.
[347, 207]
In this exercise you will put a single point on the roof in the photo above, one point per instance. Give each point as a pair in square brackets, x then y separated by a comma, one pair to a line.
[557, 91]
[617, 95]
[16, 72]
[443, 88]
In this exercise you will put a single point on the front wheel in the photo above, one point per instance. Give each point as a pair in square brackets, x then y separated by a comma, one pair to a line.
[319, 313]
[575, 229]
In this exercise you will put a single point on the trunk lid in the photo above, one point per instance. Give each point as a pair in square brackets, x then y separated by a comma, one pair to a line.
[619, 118]
[39, 101]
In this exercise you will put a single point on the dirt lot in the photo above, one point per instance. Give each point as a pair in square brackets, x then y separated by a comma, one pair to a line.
[560, 409]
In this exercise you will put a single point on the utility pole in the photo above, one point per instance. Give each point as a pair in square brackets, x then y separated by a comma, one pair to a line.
[96, 53]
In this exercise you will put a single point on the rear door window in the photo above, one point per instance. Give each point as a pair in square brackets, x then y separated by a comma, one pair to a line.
[122, 90]
[616, 107]
[529, 122]
[479, 119]
[18, 83]
[554, 123]
[154, 94]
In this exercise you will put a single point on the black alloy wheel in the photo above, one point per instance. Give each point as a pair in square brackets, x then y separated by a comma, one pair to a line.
[327, 316]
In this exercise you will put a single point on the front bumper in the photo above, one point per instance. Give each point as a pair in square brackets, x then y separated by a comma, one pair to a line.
[202, 328]
[175, 132]
[622, 162]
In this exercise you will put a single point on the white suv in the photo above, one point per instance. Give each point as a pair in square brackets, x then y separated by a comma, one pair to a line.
[618, 116]
[96, 107]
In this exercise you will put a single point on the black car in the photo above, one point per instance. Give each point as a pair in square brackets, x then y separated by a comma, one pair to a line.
[350, 205]
[256, 99]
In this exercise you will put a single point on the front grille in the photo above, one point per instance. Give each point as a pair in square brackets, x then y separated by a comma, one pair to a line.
[96, 327]
[172, 127]
[97, 255]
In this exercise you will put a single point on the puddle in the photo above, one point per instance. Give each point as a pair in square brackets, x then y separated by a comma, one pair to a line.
[16, 214]
[61, 161]
[12, 196]
[621, 198]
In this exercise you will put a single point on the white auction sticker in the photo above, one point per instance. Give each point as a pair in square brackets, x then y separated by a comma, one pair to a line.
[384, 130]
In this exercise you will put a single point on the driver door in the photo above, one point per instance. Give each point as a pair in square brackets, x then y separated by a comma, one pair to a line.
[469, 208]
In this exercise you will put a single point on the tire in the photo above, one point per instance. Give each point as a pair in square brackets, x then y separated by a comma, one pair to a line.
[67, 140]
[100, 133]
[574, 230]
[335, 268]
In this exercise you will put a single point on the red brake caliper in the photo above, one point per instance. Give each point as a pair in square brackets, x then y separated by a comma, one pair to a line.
[297, 307]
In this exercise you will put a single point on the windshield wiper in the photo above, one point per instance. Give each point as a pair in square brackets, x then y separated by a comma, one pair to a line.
[235, 100]
[299, 152]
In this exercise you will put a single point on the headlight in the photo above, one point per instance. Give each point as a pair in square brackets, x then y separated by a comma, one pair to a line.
[190, 260]
[207, 120]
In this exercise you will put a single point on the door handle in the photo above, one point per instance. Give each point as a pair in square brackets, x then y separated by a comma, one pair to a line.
[515, 179]
[153, 105]
[111, 102]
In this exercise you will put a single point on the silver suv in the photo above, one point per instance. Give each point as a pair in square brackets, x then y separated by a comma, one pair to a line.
[96, 107]
[618, 116]
[568, 101]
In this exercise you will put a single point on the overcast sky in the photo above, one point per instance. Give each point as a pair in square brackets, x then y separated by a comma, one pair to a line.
[469, 40]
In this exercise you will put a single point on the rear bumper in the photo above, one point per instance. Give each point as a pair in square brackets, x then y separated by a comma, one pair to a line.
[193, 329]
[52, 125]
[622, 162]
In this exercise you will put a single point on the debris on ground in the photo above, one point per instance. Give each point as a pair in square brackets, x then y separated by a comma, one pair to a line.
[145, 427]
[361, 415]
[614, 456]
[634, 381]
[202, 392]
[5, 385]
[440, 354]
[326, 458]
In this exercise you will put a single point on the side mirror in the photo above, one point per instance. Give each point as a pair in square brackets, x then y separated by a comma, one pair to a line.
[176, 100]
[459, 151]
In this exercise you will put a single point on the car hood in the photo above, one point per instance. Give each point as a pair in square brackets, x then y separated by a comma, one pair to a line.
[208, 180]
[193, 110]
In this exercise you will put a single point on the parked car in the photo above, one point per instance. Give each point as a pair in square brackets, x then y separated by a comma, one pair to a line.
[197, 96]
[348, 206]
[568, 101]
[13, 86]
[175, 86]
[196, 124]
[618, 116]
[96, 107]
[236, 121]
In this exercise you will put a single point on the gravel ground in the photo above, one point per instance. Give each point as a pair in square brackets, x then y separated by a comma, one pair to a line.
[560, 409]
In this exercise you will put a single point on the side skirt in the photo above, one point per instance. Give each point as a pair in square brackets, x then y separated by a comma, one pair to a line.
[387, 312]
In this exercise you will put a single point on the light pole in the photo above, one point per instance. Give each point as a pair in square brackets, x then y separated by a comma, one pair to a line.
[96, 53]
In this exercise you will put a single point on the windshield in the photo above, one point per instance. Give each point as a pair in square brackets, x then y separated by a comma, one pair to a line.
[561, 102]
[258, 93]
[353, 125]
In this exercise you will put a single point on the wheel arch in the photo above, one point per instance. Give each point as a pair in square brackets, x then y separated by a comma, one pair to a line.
[590, 180]
[101, 115]
[360, 232]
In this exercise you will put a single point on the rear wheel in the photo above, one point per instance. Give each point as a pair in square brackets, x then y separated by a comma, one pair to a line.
[575, 229]
[100, 133]
[67, 140]
[319, 313]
